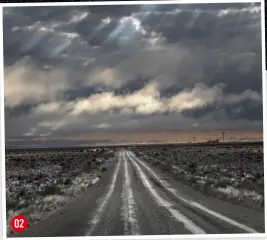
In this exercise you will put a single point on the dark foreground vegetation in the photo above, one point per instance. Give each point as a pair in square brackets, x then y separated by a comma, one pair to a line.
[39, 181]
[233, 172]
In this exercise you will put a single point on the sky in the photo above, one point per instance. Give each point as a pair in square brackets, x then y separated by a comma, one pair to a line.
[86, 74]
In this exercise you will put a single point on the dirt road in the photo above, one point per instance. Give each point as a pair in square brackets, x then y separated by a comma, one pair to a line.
[134, 198]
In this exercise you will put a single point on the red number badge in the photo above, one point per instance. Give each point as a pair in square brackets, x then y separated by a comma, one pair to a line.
[19, 223]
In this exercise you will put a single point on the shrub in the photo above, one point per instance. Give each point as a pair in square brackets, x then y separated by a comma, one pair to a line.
[166, 167]
[222, 184]
[50, 190]
[67, 181]
[192, 167]
[12, 203]
[155, 163]
[192, 180]
[103, 169]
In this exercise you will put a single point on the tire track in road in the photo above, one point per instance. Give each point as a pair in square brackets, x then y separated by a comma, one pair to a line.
[93, 223]
[196, 205]
[129, 205]
[174, 213]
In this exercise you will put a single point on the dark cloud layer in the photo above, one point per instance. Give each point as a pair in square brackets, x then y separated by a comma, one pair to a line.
[70, 70]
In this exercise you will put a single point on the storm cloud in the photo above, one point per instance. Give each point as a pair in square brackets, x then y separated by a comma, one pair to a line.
[89, 69]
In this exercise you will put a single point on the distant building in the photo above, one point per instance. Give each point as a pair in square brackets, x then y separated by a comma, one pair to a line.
[213, 141]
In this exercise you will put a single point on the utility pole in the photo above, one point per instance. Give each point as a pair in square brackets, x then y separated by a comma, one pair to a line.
[194, 139]
[223, 136]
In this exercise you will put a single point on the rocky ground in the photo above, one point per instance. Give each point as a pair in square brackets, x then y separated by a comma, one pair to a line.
[232, 172]
[38, 182]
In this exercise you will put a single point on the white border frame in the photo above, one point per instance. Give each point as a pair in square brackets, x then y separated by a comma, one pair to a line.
[259, 236]
[105, 3]
[2, 132]
[264, 102]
